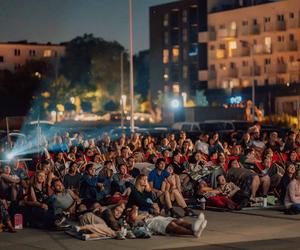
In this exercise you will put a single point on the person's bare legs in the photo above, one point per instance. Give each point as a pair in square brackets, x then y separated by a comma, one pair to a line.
[14, 192]
[167, 200]
[184, 224]
[266, 182]
[255, 186]
[179, 198]
[175, 229]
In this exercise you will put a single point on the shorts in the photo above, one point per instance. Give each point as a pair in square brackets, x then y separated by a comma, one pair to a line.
[158, 224]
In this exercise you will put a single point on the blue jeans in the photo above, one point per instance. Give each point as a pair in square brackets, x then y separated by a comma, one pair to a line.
[295, 207]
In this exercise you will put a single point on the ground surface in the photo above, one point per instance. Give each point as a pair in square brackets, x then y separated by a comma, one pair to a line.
[243, 230]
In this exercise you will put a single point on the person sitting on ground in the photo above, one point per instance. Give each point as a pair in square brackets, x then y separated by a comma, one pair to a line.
[286, 179]
[121, 180]
[214, 197]
[4, 217]
[292, 197]
[37, 202]
[248, 181]
[9, 184]
[92, 187]
[142, 196]
[232, 191]
[131, 170]
[172, 188]
[156, 178]
[72, 179]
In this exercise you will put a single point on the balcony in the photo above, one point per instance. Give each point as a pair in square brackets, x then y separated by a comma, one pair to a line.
[226, 33]
[229, 73]
[269, 70]
[212, 74]
[292, 46]
[280, 26]
[217, 54]
[281, 68]
[240, 52]
[250, 30]
[261, 49]
[251, 71]
[293, 67]
[212, 35]
[293, 23]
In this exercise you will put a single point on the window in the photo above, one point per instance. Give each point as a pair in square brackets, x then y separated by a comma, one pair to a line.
[212, 47]
[212, 67]
[166, 20]
[233, 26]
[254, 21]
[222, 46]
[222, 26]
[280, 39]
[193, 50]
[31, 52]
[184, 35]
[232, 65]
[17, 52]
[193, 73]
[267, 61]
[175, 73]
[184, 16]
[47, 53]
[185, 72]
[174, 18]
[291, 37]
[185, 54]
[193, 15]
[267, 19]
[176, 88]
[1, 59]
[280, 17]
[245, 63]
[175, 54]
[193, 35]
[17, 66]
[245, 23]
[166, 38]
[165, 56]
[291, 15]
[175, 37]
[166, 74]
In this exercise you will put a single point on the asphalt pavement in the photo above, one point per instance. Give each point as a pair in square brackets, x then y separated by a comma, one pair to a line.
[255, 229]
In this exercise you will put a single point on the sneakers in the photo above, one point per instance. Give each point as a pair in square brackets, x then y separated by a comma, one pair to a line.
[201, 228]
[197, 223]
[76, 228]
[85, 236]
[60, 221]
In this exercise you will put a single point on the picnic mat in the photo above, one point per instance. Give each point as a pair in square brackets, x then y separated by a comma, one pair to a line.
[78, 236]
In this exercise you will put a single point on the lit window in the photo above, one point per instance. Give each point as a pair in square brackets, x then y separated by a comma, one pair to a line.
[175, 53]
[166, 20]
[176, 88]
[47, 53]
[166, 74]
[233, 26]
[165, 56]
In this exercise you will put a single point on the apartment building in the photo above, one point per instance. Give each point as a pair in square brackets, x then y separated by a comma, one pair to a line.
[15, 54]
[240, 43]
[176, 54]
[257, 43]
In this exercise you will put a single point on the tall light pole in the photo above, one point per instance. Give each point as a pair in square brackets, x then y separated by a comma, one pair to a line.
[131, 69]
[122, 89]
[250, 46]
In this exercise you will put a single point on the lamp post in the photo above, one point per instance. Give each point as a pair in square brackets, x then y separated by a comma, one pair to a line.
[250, 46]
[131, 69]
[122, 90]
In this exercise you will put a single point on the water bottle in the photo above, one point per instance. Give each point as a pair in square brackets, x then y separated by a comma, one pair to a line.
[202, 203]
[265, 202]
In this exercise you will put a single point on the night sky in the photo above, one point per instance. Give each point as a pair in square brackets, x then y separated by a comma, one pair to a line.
[61, 20]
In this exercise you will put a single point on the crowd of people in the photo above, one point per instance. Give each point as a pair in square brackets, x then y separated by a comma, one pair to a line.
[142, 185]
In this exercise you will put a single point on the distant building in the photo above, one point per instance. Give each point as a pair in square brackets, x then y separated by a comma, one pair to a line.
[141, 66]
[15, 54]
[224, 47]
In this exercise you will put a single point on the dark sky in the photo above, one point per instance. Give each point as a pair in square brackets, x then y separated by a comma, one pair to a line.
[61, 20]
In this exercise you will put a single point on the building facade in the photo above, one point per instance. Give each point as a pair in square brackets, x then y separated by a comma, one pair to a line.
[15, 54]
[176, 55]
[248, 42]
